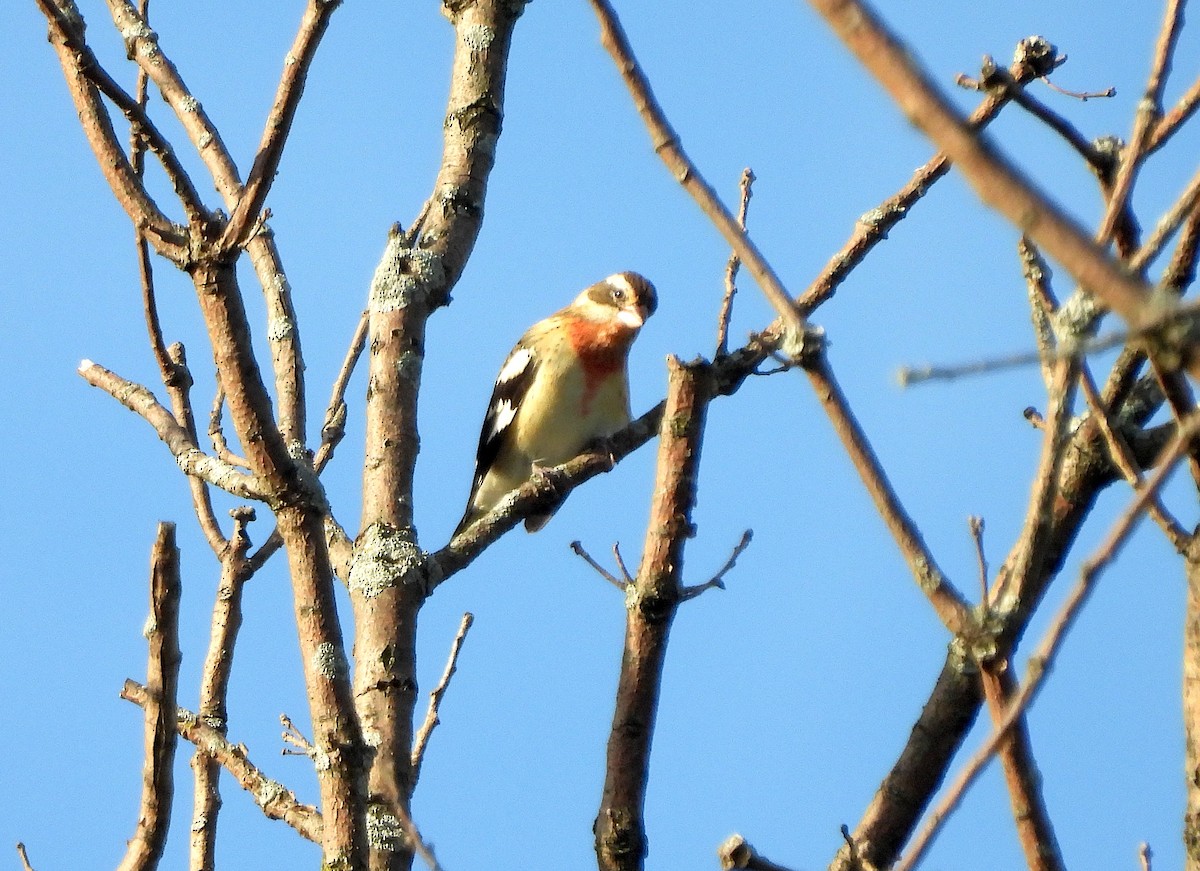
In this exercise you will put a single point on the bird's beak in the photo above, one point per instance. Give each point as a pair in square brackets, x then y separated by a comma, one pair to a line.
[632, 318]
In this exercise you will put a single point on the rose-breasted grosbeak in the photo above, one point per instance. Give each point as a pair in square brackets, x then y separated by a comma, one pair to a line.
[563, 385]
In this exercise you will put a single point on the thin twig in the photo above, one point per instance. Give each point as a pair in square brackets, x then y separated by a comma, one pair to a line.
[667, 146]
[580, 552]
[975, 524]
[334, 428]
[216, 430]
[908, 376]
[421, 742]
[1042, 660]
[1083, 96]
[718, 580]
[299, 744]
[948, 603]
[1144, 855]
[24, 856]
[616, 549]
[190, 458]
[276, 801]
[1097, 160]
[731, 268]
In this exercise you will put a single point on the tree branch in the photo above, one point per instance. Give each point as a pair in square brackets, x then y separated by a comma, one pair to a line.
[668, 147]
[190, 458]
[997, 182]
[279, 123]
[145, 848]
[951, 607]
[1042, 659]
[651, 602]
[214, 688]
[277, 802]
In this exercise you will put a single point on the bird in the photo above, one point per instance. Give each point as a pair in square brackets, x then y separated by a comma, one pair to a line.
[564, 384]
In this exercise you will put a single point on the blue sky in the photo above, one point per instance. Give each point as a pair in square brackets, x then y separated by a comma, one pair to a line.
[786, 697]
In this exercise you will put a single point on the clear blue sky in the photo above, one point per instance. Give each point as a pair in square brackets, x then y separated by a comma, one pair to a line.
[786, 697]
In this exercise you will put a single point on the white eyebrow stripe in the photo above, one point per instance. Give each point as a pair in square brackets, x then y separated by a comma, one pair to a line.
[619, 280]
[517, 363]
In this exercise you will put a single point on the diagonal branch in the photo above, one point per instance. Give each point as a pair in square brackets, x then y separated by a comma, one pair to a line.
[995, 180]
[951, 607]
[190, 458]
[1034, 828]
[1033, 57]
[85, 77]
[276, 801]
[279, 123]
[432, 718]
[668, 147]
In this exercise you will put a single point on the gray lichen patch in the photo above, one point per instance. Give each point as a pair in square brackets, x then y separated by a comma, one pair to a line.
[404, 275]
[477, 36]
[328, 661]
[383, 830]
[384, 558]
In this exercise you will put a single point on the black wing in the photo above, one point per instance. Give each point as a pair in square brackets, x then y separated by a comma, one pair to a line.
[512, 386]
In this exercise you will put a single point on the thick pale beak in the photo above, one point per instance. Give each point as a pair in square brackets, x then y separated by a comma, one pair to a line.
[632, 318]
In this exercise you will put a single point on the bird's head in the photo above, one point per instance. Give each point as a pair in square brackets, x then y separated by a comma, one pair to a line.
[626, 298]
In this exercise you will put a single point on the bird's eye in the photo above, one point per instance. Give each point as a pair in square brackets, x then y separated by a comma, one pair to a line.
[618, 294]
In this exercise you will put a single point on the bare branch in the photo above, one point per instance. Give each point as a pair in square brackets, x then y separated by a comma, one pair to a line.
[975, 524]
[667, 146]
[1034, 829]
[334, 428]
[276, 801]
[998, 183]
[85, 77]
[717, 581]
[652, 600]
[1033, 57]
[214, 687]
[145, 848]
[1170, 122]
[580, 552]
[731, 268]
[1042, 660]
[279, 123]
[24, 857]
[190, 458]
[435, 698]
[951, 607]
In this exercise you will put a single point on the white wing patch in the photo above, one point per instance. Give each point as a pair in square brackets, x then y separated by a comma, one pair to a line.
[517, 362]
[502, 416]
